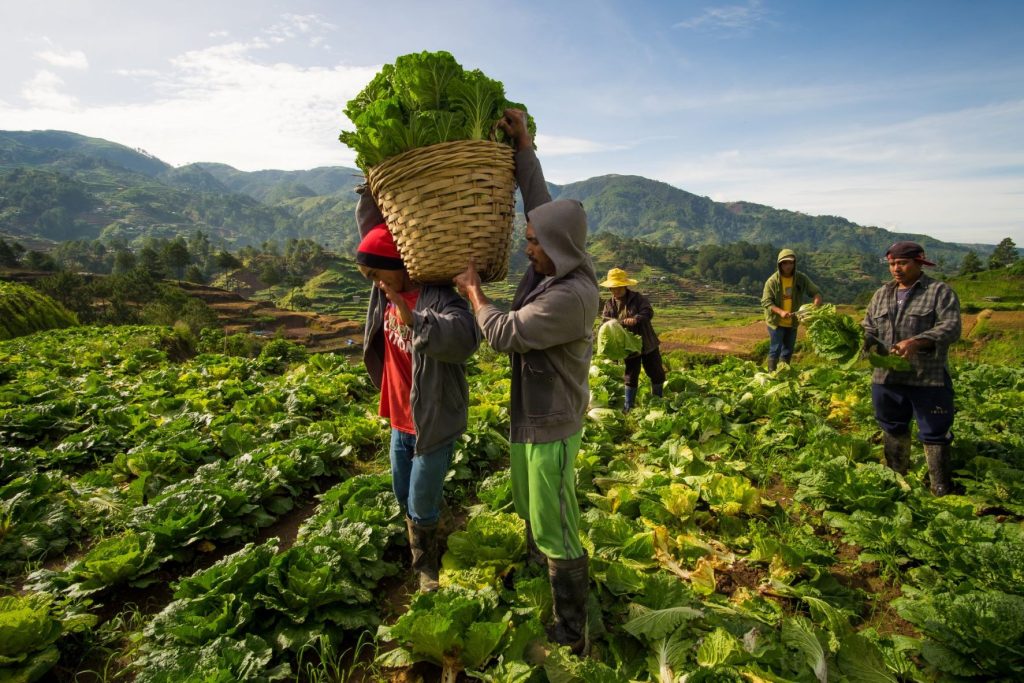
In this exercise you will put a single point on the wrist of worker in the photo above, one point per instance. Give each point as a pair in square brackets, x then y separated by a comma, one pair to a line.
[476, 297]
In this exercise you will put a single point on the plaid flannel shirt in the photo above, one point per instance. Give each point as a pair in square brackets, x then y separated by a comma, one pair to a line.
[931, 311]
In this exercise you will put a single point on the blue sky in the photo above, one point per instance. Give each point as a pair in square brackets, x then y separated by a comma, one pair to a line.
[903, 115]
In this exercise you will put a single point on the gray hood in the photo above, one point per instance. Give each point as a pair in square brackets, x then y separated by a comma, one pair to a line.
[561, 230]
[368, 214]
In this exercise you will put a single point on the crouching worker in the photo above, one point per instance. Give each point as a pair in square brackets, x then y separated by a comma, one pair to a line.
[548, 335]
[415, 347]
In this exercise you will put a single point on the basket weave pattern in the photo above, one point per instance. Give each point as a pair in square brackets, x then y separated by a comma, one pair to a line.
[448, 203]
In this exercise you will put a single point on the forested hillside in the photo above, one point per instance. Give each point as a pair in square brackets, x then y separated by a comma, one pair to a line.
[63, 186]
[633, 206]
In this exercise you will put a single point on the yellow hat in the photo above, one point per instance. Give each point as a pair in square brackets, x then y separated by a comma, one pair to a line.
[617, 277]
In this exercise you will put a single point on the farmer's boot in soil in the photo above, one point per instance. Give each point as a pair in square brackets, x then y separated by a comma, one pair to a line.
[424, 550]
[939, 468]
[630, 399]
[658, 389]
[772, 364]
[570, 589]
[897, 451]
[534, 555]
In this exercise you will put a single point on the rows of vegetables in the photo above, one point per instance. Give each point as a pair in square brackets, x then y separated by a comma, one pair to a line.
[742, 528]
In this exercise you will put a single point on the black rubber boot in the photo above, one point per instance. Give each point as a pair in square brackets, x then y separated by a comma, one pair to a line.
[424, 550]
[939, 468]
[534, 555]
[772, 364]
[570, 588]
[897, 451]
[657, 389]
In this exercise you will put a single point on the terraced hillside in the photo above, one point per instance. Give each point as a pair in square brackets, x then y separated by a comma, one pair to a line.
[318, 332]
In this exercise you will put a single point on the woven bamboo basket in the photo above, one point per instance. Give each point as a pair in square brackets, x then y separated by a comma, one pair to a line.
[449, 203]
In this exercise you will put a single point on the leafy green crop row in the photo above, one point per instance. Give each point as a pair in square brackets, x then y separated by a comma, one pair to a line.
[741, 528]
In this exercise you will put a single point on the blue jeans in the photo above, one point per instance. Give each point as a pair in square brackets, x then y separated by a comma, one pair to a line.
[932, 407]
[781, 342]
[418, 480]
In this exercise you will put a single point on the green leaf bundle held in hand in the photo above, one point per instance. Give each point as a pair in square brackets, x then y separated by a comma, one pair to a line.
[835, 336]
[616, 342]
[424, 99]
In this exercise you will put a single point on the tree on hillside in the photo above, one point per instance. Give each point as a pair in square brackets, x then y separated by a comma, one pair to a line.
[971, 264]
[271, 274]
[225, 260]
[194, 274]
[124, 261]
[150, 261]
[176, 255]
[67, 289]
[199, 246]
[37, 260]
[10, 253]
[1004, 255]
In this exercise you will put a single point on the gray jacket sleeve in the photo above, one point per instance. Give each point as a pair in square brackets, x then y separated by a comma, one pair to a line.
[449, 335]
[530, 178]
[555, 317]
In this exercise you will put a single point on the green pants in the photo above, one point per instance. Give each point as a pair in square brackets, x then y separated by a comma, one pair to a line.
[544, 493]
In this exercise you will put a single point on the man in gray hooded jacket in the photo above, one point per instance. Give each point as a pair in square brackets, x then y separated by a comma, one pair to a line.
[549, 337]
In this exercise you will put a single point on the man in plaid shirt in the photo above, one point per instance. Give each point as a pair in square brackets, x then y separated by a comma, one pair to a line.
[916, 318]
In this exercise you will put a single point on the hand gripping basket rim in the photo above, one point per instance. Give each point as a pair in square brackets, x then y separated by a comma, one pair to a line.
[447, 204]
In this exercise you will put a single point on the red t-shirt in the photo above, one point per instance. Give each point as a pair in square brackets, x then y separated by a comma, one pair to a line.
[396, 385]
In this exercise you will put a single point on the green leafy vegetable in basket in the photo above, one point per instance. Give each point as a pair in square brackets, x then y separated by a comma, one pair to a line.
[833, 335]
[423, 99]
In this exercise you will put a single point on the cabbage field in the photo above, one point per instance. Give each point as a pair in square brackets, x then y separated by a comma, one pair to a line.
[741, 529]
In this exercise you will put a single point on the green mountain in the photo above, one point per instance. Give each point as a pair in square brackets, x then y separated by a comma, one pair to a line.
[271, 186]
[633, 206]
[61, 186]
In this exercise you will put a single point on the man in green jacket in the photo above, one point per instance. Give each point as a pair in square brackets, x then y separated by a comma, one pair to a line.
[548, 335]
[784, 293]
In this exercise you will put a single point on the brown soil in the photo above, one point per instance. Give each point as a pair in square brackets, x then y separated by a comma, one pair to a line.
[739, 575]
[737, 340]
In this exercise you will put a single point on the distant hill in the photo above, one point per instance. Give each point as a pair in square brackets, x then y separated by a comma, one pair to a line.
[633, 206]
[59, 186]
[274, 185]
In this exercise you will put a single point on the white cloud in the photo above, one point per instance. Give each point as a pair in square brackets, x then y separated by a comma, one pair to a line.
[138, 73]
[562, 146]
[44, 91]
[293, 26]
[67, 59]
[727, 17]
[218, 104]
